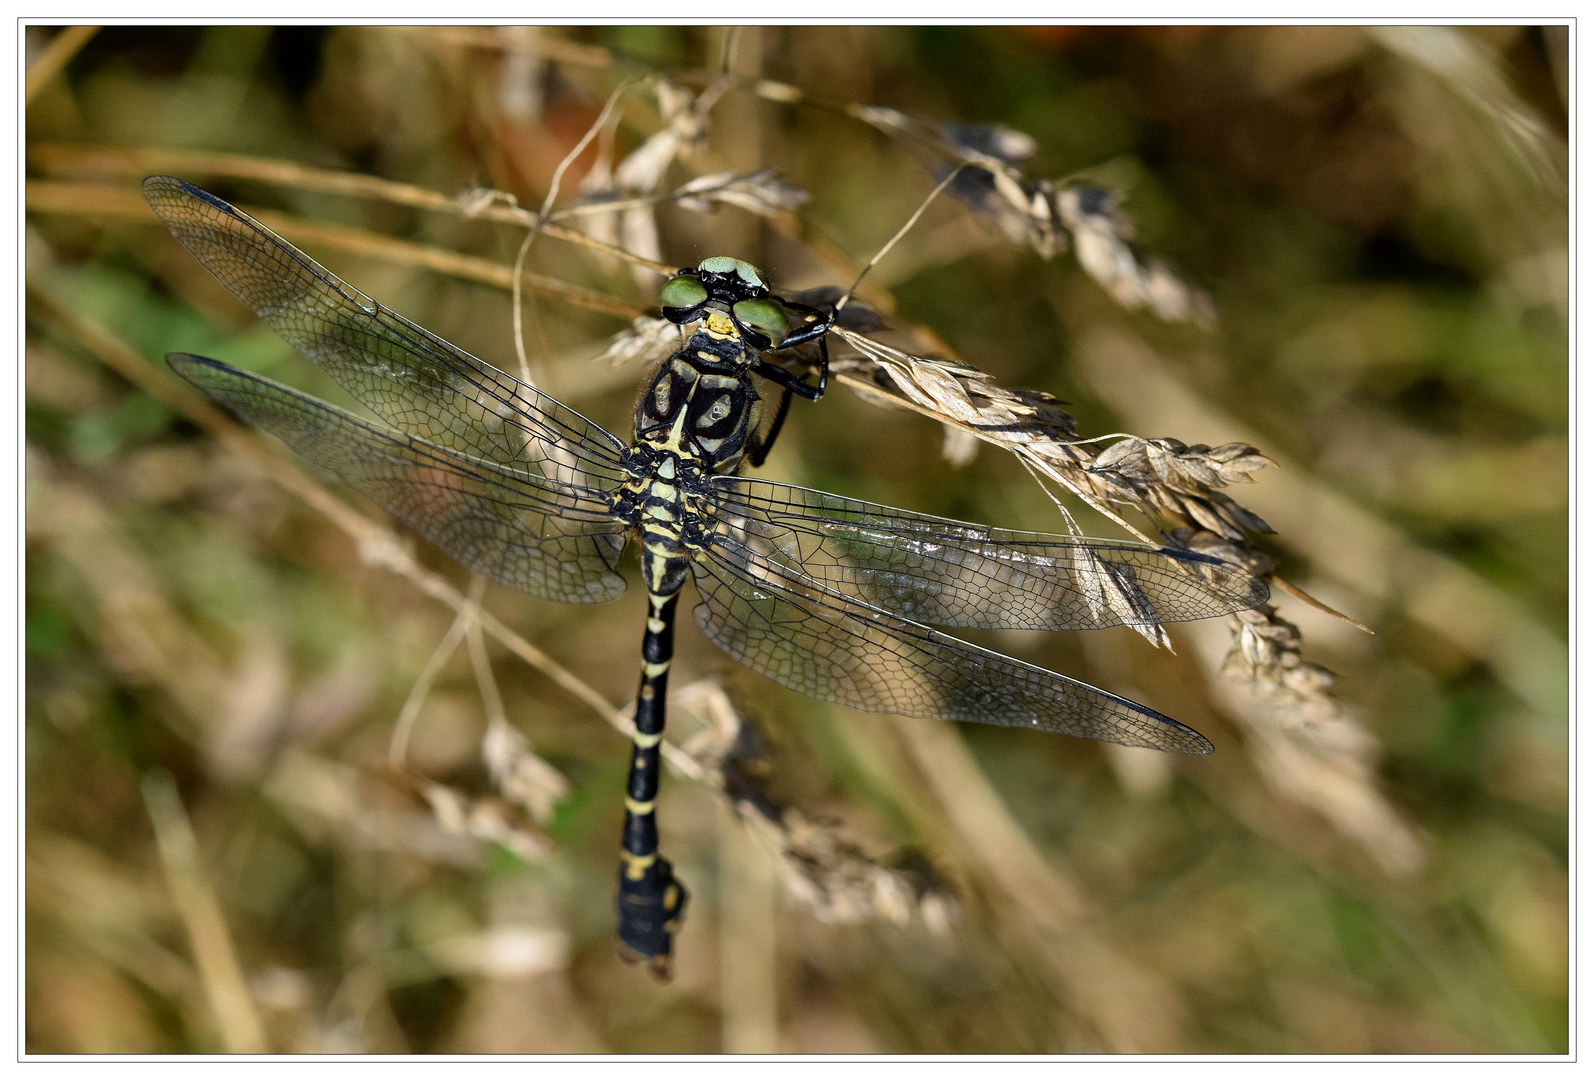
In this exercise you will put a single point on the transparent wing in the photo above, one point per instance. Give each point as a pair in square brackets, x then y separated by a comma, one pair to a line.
[955, 573]
[810, 639]
[526, 532]
[411, 378]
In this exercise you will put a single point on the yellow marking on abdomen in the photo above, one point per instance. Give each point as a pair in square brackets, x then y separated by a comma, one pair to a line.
[645, 741]
[653, 671]
[636, 866]
[640, 809]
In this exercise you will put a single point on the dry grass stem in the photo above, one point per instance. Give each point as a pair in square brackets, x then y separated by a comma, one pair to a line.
[56, 55]
[120, 918]
[90, 160]
[521, 775]
[898, 235]
[399, 743]
[1307, 746]
[541, 220]
[1132, 1009]
[334, 802]
[1456, 60]
[1044, 214]
[749, 957]
[817, 864]
[234, 1010]
[489, 39]
[90, 200]
[484, 819]
[761, 192]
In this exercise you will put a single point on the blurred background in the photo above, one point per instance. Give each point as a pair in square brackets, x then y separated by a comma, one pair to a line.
[219, 855]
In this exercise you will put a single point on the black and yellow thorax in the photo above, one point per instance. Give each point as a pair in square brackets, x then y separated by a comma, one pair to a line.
[701, 404]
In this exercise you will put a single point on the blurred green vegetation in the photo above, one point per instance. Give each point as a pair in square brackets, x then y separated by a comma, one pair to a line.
[1384, 237]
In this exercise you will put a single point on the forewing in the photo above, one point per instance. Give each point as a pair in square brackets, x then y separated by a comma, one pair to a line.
[411, 378]
[956, 573]
[811, 640]
[524, 531]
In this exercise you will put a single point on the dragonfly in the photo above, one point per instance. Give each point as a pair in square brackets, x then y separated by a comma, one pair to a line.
[832, 597]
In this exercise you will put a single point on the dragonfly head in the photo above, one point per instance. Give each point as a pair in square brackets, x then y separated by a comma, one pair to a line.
[736, 288]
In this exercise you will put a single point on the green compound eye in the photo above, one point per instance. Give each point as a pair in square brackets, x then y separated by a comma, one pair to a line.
[682, 292]
[765, 316]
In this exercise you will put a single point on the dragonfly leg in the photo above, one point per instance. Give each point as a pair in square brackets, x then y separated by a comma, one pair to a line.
[820, 326]
[818, 330]
[650, 900]
[789, 384]
[758, 450]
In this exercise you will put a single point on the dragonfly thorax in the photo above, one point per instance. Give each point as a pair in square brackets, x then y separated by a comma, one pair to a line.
[701, 405]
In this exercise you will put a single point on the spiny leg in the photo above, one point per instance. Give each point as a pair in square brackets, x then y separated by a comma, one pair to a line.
[816, 331]
[650, 900]
[789, 384]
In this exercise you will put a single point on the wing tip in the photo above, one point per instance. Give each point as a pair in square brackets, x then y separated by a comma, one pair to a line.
[1181, 738]
[1169, 736]
[185, 362]
[161, 182]
[159, 190]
